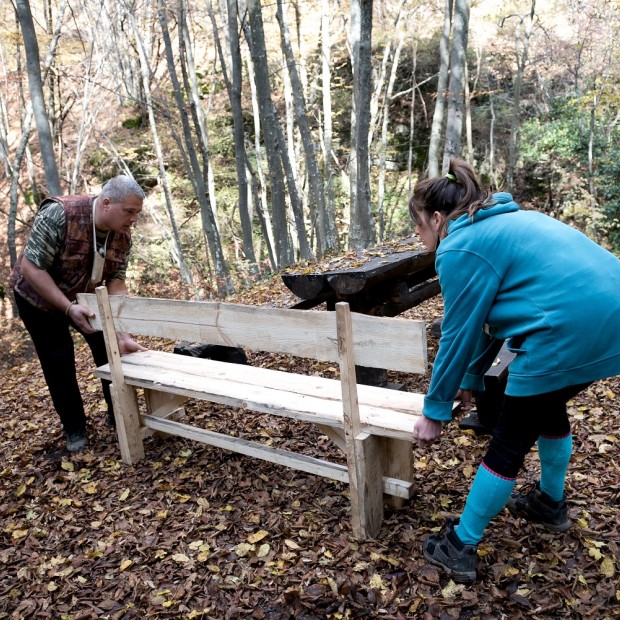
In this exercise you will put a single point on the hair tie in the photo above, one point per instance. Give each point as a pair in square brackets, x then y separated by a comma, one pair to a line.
[451, 177]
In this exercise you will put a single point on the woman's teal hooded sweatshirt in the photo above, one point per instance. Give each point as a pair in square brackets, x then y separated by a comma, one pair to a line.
[522, 276]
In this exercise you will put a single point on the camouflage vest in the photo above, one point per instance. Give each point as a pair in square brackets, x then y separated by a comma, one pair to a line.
[71, 269]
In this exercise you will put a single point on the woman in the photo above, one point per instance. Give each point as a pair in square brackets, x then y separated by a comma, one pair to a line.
[554, 296]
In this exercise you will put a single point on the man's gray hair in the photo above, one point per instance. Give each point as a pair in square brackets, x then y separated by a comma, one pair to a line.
[121, 187]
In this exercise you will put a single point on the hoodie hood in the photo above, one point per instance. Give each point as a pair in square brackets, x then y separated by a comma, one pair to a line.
[500, 203]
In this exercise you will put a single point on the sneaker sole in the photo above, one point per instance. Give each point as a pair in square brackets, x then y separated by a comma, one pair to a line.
[456, 576]
[551, 527]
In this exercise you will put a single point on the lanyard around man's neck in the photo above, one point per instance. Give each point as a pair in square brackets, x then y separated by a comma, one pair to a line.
[99, 254]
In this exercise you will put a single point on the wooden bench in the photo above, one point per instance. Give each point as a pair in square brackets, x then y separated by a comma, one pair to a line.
[372, 425]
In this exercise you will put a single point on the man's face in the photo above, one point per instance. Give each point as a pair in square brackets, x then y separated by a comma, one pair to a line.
[120, 216]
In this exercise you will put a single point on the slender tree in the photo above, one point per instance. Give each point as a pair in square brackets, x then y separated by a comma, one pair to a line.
[362, 228]
[146, 72]
[456, 86]
[258, 51]
[523, 33]
[315, 179]
[442, 84]
[46, 142]
[331, 230]
[222, 272]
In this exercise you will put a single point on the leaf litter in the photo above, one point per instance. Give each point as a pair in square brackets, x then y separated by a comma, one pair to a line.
[197, 532]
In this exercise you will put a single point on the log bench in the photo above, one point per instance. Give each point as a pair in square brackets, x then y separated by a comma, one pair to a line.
[372, 425]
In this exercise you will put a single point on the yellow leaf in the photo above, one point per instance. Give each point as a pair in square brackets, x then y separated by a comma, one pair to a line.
[257, 536]
[263, 551]
[291, 544]
[452, 589]
[181, 558]
[243, 549]
[19, 533]
[333, 586]
[21, 489]
[607, 567]
[124, 495]
[167, 604]
[90, 489]
[51, 586]
[595, 553]
[125, 564]
[195, 545]
[376, 582]
[160, 553]
[81, 579]
[67, 466]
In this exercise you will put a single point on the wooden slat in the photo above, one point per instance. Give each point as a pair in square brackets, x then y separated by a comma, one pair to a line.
[232, 390]
[379, 342]
[407, 402]
[301, 462]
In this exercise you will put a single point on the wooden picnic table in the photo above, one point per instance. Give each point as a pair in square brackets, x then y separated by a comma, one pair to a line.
[385, 280]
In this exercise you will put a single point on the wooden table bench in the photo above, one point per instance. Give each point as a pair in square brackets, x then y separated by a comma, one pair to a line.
[372, 425]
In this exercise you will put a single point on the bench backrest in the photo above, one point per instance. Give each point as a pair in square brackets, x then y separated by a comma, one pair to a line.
[379, 342]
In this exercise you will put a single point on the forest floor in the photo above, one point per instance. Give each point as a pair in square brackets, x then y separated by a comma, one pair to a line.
[196, 532]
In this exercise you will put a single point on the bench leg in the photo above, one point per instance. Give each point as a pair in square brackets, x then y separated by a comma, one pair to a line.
[397, 462]
[366, 486]
[127, 423]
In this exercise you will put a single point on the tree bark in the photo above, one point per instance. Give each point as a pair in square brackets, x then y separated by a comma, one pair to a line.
[523, 33]
[315, 180]
[331, 233]
[258, 51]
[46, 143]
[222, 273]
[362, 232]
[442, 84]
[456, 86]
[145, 68]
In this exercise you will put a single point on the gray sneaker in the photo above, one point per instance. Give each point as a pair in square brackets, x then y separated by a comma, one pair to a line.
[447, 551]
[76, 442]
[538, 507]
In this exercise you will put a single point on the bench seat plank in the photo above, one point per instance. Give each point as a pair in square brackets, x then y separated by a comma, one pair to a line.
[312, 399]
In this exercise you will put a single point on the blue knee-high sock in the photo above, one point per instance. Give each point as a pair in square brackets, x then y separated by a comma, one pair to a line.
[554, 454]
[487, 496]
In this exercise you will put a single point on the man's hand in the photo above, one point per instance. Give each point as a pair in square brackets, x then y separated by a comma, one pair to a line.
[81, 316]
[126, 344]
[427, 431]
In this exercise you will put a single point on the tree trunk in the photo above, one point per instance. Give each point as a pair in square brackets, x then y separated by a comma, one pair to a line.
[234, 86]
[315, 180]
[259, 184]
[331, 233]
[23, 143]
[46, 143]
[284, 255]
[522, 42]
[456, 86]
[362, 233]
[223, 281]
[384, 136]
[176, 246]
[442, 84]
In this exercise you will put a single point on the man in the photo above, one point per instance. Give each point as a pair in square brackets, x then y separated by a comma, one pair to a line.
[76, 243]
